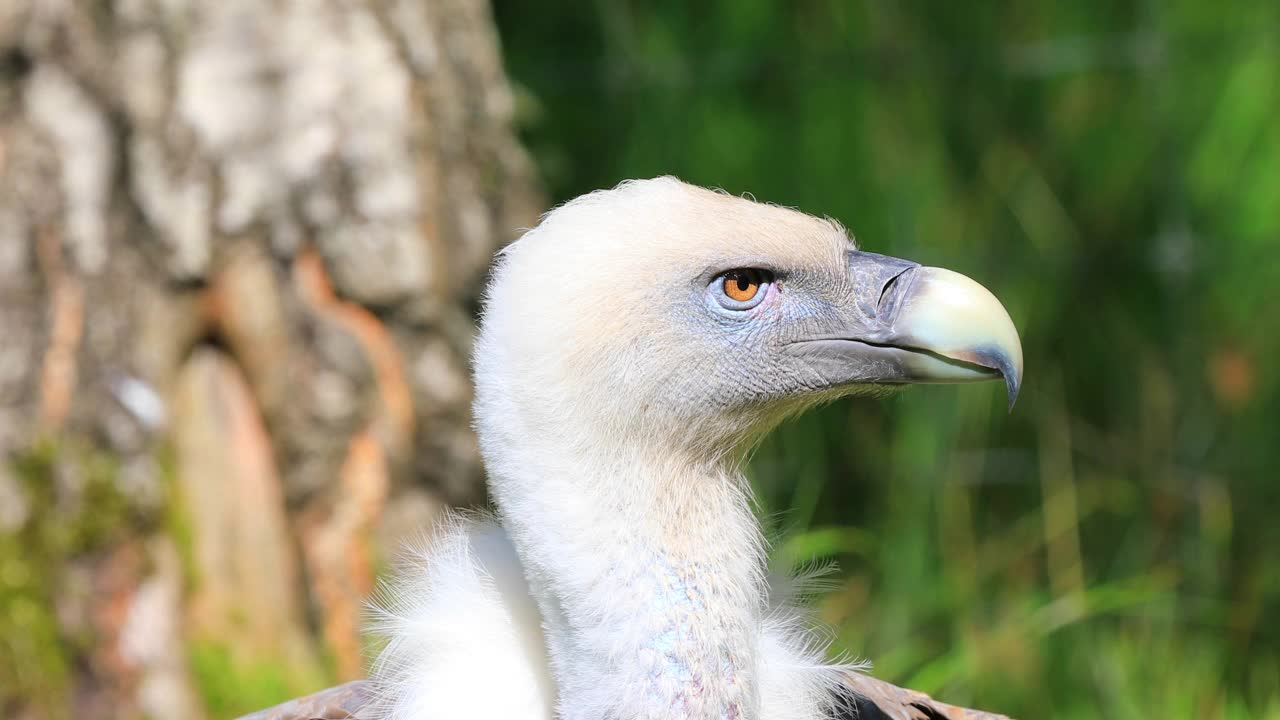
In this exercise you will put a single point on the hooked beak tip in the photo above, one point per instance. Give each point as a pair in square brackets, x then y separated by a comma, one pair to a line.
[956, 317]
[1012, 383]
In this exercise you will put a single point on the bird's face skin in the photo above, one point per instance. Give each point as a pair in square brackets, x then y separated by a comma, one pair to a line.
[698, 319]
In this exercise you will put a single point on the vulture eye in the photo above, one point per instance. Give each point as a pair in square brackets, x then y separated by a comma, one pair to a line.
[744, 288]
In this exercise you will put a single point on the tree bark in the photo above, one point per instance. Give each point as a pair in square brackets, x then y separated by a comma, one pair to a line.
[240, 244]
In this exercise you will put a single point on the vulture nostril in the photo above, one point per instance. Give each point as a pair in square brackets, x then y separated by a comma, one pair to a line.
[884, 291]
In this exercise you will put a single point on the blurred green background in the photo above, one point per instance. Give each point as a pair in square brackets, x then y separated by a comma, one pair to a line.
[1112, 171]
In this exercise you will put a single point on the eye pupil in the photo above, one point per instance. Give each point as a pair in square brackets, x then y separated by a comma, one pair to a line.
[743, 282]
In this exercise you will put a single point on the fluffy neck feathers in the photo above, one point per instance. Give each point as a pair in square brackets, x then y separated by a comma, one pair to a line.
[647, 567]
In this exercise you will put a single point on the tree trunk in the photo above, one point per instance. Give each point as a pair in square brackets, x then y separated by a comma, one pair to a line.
[240, 244]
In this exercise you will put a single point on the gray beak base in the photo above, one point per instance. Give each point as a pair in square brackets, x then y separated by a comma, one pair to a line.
[913, 324]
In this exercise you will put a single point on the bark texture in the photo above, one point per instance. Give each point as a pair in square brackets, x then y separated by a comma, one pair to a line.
[240, 244]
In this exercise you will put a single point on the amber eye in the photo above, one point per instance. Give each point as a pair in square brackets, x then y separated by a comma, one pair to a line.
[741, 285]
[744, 287]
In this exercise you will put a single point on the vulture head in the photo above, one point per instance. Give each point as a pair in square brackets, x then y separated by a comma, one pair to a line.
[670, 316]
[633, 344]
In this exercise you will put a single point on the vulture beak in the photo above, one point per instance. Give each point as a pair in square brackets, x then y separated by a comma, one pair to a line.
[912, 324]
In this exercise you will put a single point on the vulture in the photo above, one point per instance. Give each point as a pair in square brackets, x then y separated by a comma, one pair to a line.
[634, 346]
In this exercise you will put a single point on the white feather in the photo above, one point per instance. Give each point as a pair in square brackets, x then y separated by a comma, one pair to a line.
[463, 638]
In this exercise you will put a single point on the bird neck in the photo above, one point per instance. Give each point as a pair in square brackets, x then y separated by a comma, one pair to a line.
[648, 569]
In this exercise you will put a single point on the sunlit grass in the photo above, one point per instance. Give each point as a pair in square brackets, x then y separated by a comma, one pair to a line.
[1091, 603]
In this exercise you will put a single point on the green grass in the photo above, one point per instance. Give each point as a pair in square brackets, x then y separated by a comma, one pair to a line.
[1105, 597]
